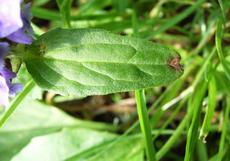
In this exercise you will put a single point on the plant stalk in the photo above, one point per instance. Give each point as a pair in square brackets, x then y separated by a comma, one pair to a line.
[144, 123]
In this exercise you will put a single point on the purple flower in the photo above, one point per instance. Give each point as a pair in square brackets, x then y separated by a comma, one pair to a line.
[15, 22]
[10, 17]
[7, 89]
[14, 25]
[24, 34]
[4, 92]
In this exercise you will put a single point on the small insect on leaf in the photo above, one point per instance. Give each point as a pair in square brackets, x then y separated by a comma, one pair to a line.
[175, 63]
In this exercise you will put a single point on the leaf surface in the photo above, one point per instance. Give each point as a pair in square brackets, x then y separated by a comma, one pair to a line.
[34, 118]
[84, 62]
[81, 144]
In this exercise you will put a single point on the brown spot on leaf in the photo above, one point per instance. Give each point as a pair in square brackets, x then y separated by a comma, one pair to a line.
[175, 63]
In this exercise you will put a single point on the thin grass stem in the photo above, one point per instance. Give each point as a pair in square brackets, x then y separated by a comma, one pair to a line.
[144, 123]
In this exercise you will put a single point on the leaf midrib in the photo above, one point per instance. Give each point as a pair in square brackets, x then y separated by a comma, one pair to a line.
[103, 62]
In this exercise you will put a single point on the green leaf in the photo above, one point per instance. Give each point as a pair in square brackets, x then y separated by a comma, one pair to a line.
[80, 144]
[33, 118]
[61, 145]
[132, 150]
[84, 62]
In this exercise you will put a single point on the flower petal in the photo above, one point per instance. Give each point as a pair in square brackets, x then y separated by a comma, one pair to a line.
[14, 89]
[7, 74]
[23, 35]
[10, 17]
[4, 92]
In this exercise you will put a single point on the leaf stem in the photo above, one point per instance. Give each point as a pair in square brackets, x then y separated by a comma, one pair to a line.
[14, 104]
[144, 123]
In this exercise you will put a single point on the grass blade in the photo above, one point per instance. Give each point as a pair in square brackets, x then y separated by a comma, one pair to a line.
[219, 35]
[201, 151]
[224, 131]
[45, 14]
[144, 123]
[176, 19]
[14, 104]
[210, 108]
[65, 7]
[174, 138]
[195, 105]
